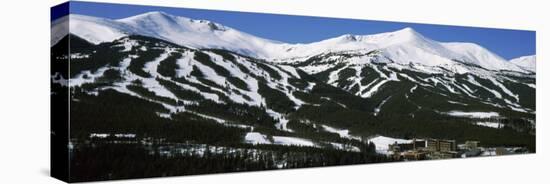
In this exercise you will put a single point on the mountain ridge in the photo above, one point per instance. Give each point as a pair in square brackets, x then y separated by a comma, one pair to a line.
[354, 98]
[201, 91]
[526, 62]
[403, 46]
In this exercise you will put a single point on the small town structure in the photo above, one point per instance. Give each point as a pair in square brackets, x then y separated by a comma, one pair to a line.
[431, 149]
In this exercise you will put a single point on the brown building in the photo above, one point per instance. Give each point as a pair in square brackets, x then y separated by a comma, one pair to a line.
[414, 155]
[432, 145]
[447, 145]
[414, 145]
[443, 155]
[441, 145]
[418, 143]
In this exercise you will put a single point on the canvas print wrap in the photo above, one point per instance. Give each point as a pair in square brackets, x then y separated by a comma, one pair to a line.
[145, 91]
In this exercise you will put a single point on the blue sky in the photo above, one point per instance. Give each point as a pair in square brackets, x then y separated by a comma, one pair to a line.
[304, 29]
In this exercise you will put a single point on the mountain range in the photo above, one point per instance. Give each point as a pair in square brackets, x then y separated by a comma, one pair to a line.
[403, 46]
[321, 94]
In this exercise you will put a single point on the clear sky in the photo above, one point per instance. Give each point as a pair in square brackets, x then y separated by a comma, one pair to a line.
[304, 29]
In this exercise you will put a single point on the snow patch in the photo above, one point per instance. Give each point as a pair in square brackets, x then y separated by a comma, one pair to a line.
[382, 143]
[292, 141]
[344, 133]
[480, 115]
[256, 138]
[377, 109]
[489, 124]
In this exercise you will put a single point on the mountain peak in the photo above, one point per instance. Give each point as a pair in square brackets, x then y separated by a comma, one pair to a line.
[406, 33]
[403, 45]
[526, 62]
[156, 13]
[212, 25]
[156, 17]
[407, 30]
[347, 37]
[531, 58]
[149, 16]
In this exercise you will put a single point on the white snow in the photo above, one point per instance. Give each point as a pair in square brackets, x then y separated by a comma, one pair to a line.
[80, 79]
[472, 80]
[96, 30]
[259, 138]
[59, 29]
[373, 90]
[474, 54]
[377, 109]
[383, 142]
[402, 46]
[455, 102]
[57, 78]
[473, 114]
[283, 121]
[99, 135]
[79, 56]
[125, 135]
[464, 89]
[338, 103]
[526, 62]
[251, 83]
[221, 121]
[151, 66]
[385, 79]
[334, 76]
[165, 115]
[489, 124]
[185, 64]
[413, 88]
[128, 44]
[504, 89]
[210, 74]
[344, 133]
[256, 138]
[520, 109]
[291, 70]
[292, 141]
[153, 85]
[397, 49]
[310, 86]
[341, 146]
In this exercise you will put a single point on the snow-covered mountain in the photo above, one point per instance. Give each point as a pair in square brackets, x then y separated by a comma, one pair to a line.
[526, 62]
[408, 46]
[169, 87]
[180, 30]
[322, 94]
[402, 46]
[216, 86]
[335, 95]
